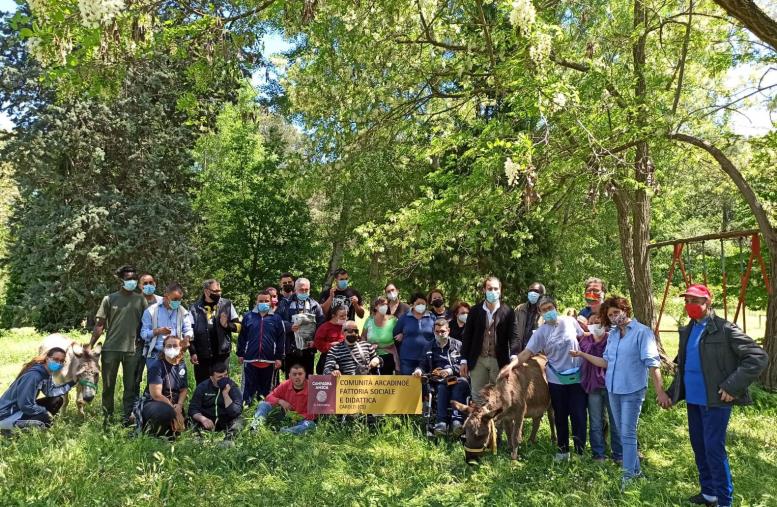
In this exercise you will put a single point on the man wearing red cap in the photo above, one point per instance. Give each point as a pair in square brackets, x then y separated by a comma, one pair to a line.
[716, 362]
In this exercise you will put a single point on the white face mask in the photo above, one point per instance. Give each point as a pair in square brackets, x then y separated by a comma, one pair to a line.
[596, 329]
[383, 309]
[441, 340]
[392, 295]
[172, 352]
[420, 308]
[463, 318]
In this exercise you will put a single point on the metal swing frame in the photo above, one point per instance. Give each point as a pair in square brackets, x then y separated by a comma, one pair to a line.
[677, 261]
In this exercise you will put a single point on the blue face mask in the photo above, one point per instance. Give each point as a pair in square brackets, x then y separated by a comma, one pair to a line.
[342, 284]
[175, 305]
[550, 316]
[533, 297]
[149, 289]
[263, 307]
[303, 296]
[130, 285]
[53, 366]
[492, 296]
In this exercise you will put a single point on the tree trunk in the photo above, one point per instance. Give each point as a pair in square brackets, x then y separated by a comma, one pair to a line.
[769, 377]
[338, 244]
[623, 207]
[753, 18]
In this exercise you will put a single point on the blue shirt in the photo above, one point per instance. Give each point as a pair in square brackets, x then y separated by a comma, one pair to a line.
[165, 318]
[417, 334]
[629, 357]
[693, 378]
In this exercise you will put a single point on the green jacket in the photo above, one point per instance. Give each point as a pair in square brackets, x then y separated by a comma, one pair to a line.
[730, 360]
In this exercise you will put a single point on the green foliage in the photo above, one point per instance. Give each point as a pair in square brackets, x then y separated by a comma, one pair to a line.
[254, 223]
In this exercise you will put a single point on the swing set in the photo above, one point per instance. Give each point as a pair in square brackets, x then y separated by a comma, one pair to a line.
[741, 237]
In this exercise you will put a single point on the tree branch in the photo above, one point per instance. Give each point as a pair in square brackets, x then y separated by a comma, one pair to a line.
[753, 18]
[683, 56]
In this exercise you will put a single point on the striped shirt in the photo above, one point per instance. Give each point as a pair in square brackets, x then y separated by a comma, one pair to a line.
[350, 360]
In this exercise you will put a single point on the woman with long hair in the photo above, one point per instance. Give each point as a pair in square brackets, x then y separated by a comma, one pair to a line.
[20, 406]
[379, 331]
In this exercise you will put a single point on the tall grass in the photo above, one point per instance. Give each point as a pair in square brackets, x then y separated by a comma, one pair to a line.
[80, 463]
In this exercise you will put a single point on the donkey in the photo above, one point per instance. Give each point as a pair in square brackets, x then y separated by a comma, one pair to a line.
[519, 393]
[82, 366]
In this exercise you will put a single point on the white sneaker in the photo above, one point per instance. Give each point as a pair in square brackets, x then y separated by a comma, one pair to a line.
[441, 428]
[561, 456]
[457, 428]
[258, 422]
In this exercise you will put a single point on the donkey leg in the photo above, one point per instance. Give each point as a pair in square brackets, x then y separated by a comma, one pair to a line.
[552, 422]
[511, 433]
[535, 425]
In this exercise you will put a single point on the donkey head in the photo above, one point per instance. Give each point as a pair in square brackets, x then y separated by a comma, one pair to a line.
[479, 428]
[87, 373]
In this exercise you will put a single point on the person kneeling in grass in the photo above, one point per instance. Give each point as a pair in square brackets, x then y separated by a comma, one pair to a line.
[217, 403]
[290, 396]
[20, 406]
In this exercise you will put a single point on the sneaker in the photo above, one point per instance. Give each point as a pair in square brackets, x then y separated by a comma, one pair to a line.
[561, 456]
[457, 428]
[258, 422]
[441, 428]
[700, 499]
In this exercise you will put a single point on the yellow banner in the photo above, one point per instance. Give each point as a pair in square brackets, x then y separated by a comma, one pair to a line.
[365, 394]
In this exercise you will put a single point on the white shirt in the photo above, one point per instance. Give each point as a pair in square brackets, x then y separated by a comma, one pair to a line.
[489, 313]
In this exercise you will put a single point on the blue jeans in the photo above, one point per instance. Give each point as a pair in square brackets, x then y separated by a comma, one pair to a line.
[707, 429]
[264, 408]
[625, 411]
[408, 366]
[447, 393]
[598, 404]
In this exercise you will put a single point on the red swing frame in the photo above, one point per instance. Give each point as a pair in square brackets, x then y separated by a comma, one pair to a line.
[677, 261]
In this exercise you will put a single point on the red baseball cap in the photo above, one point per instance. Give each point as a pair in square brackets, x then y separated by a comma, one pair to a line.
[698, 290]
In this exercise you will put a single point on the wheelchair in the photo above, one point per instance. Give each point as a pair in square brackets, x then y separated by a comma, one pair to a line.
[430, 383]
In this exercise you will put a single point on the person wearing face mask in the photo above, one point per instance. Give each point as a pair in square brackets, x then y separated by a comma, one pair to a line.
[396, 307]
[489, 336]
[716, 363]
[555, 338]
[341, 294]
[20, 406]
[273, 298]
[287, 288]
[414, 331]
[329, 334]
[120, 315]
[217, 403]
[147, 285]
[527, 314]
[379, 332]
[261, 347]
[437, 304]
[351, 356]
[459, 316]
[303, 315]
[595, 291]
[160, 411]
[593, 343]
[443, 357]
[214, 319]
[631, 355]
[167, 318]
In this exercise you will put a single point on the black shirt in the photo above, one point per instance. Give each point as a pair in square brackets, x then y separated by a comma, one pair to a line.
[343, 298]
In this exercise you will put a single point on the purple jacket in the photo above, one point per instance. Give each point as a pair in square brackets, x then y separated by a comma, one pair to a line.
[593, 376]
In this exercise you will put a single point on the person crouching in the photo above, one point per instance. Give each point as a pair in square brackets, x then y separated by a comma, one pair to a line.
[160, 410]
[217, 403]
[290, 396]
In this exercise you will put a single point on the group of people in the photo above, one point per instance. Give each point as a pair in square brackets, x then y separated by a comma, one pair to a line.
[599, 362]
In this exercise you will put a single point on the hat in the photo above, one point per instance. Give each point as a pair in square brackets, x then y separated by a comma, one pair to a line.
[698, 290]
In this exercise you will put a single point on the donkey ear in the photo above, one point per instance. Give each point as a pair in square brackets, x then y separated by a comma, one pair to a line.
[467, 409]
[78, 350]
[97, 350]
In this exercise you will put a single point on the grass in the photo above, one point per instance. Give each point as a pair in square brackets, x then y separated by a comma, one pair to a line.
[79, 463]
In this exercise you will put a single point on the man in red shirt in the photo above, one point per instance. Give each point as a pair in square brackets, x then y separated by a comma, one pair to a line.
[290, 396]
